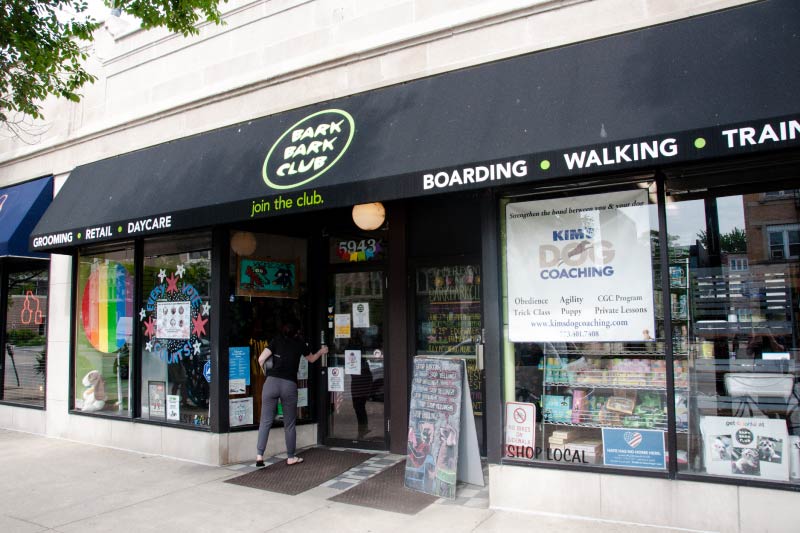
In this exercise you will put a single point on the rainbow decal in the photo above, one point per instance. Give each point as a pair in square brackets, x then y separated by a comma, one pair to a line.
[107, 301]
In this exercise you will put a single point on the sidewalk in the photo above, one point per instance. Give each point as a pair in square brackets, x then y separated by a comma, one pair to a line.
[55, 485]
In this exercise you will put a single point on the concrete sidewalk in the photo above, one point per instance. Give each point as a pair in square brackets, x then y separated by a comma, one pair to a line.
[56, 485]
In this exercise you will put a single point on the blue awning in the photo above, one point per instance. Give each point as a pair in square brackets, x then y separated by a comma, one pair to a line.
[21, 207]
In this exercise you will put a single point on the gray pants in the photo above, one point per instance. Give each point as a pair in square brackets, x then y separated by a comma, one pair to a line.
[286, 390]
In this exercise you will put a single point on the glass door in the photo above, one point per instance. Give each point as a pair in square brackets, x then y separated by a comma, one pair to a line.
[355, 365]
[449, 322]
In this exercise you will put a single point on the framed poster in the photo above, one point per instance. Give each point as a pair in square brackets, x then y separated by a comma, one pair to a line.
[267, 278]
[156, 399]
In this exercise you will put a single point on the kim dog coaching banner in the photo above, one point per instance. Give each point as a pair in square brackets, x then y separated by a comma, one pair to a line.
[580, 270]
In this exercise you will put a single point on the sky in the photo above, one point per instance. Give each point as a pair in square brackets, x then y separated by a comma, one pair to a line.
[97, 9]
[687, 219]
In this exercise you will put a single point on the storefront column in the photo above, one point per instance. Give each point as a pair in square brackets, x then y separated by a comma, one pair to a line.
[220, 291]
[318, 312]
[663, 237]
[490, 257]
[398, 353]
[3, 317]
[137, 340]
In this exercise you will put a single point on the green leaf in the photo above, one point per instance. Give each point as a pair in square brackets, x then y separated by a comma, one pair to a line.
[41, 56]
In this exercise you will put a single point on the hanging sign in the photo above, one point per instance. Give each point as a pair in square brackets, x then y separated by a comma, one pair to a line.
[582, 270]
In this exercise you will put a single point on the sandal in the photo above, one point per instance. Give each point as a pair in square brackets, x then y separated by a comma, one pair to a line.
[297, 460]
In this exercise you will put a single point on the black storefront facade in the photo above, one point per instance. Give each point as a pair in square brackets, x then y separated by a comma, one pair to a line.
[193, 251]
[24, 284]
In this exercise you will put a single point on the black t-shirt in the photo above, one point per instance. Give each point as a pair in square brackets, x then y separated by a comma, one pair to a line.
[286, 354]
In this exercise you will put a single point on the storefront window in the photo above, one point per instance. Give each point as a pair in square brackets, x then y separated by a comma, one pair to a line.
[269, 281]
[449, 318]
[26, 336]
[104, 332]
[175, 328]
[585, 332]
[739, 252]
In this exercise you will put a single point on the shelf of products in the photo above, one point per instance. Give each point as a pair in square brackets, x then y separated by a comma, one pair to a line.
[623, 401]
[619, 377]
[659, 425]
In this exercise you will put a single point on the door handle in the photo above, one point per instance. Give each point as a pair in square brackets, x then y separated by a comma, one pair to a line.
[321, 344]
[479, 355]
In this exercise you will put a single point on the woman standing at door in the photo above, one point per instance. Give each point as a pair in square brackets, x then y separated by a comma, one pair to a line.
[285, 351]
